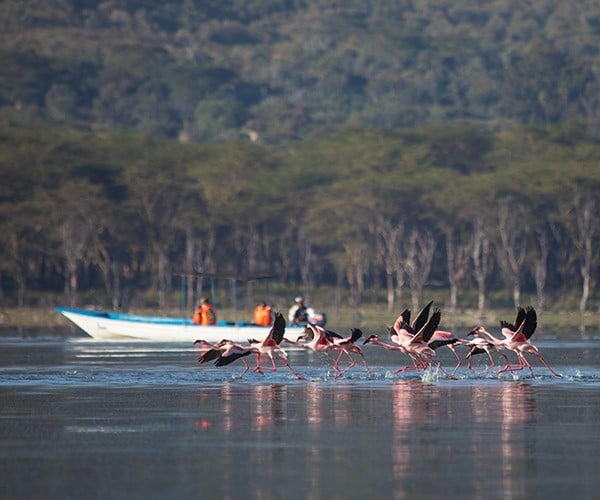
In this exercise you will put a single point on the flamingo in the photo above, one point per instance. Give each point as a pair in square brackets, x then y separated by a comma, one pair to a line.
[270, 347]
[203, 346]
[376, 340]
[416, 342]
[346, 345]
[439, 338]
[224, 352]
[516, 339]
[478, 345]
[315, 338]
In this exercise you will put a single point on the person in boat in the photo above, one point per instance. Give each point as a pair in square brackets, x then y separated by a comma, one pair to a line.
[205, 313]
[263, 314]
[298, 313]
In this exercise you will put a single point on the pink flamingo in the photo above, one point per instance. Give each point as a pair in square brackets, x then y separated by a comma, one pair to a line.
[480, 345]
[203, 346]
[516, 339]
[439, 338]
[224, 352]
[316, 339]
[346, 345]
[416, 341]
[270, 347]
[418, 362]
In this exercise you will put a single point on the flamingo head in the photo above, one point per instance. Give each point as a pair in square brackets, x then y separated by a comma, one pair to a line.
[371, 339]
[474, 332]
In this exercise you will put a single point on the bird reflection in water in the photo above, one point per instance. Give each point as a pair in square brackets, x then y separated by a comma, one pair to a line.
[269, 405]
[314, 402]
[518, 442]
[412, 405]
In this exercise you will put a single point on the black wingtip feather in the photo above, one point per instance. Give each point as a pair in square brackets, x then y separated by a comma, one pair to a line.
[356, 334]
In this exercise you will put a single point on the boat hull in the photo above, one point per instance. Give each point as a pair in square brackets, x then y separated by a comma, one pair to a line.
[109, 326]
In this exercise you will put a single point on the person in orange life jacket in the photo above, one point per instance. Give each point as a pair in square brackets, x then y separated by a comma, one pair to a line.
[262, 314]
[205, 313]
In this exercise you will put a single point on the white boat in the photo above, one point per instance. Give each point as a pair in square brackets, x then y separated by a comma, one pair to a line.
[114, 326]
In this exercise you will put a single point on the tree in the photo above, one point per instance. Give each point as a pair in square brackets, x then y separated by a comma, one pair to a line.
[540, 264]
[512, 228]
[481, 256]
[419, 249]
[390, 252]
[586, 227]
[458, 254]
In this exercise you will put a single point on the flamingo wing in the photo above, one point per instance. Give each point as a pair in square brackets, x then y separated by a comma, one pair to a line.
[425, 333]
[421, 318]
[277, 330]
[231, 357]
[209, 355]
[530, 322]
[435, 344]
[406, 315]
[332, 335]
[508, 329]
[521, 315]
[399, 325]
[356, 334]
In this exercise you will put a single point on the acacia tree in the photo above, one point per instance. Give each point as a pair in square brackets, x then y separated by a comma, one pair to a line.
[481, 256]
[76, 206]
[512, 228]
[157, 202]
[458, 254]
[586, 227]
[390, 252]
[15, 257]
[540, 263]
[419, 250]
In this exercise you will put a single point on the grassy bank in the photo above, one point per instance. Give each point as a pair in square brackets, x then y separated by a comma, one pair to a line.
[372, 318]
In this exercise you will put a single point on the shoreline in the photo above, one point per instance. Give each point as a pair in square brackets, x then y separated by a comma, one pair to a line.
[373, 317]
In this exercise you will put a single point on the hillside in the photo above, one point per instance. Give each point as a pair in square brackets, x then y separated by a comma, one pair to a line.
[274, 70]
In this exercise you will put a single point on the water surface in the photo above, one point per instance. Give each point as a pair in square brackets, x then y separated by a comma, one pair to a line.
[138, 420]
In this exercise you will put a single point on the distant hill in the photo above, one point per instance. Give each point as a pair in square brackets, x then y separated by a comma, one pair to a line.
[273, 70]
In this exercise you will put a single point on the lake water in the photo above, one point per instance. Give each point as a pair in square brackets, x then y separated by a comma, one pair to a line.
[81, 419]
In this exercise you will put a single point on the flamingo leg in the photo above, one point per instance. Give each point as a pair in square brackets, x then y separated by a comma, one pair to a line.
[458, 359]
[352, 363]
[365, 362]
[272, 368]
[407, 368]
[490, 366]
[439, 367]
[419, 363]
[337, 362]
[510, 366]
[526, 363]
[299, 377]
[539, 356]
[258, 368]
[247, 367]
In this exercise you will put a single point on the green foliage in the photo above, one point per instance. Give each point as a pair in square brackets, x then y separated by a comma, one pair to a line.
[207, 71]
[126, 204]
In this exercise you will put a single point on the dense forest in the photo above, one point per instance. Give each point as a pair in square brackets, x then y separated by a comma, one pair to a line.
[377, 149]
[274, 70]
[449, 207]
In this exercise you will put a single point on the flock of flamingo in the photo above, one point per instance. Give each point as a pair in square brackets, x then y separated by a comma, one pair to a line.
[418, 340]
